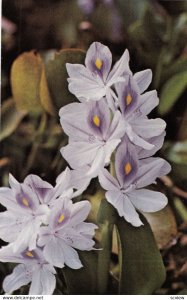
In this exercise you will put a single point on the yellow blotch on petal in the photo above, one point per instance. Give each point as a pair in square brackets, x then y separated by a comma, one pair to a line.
[128, 99]
[96, 120]
[128, 168]
[25, 202]
[29, 254]
[61, 218]
[98, 63]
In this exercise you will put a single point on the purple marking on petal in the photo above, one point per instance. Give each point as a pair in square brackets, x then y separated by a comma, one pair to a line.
[128, 95]
[29, 254]
[99, 59]
[99, 118]
[24, 200]
[126, 163]
[61, 218]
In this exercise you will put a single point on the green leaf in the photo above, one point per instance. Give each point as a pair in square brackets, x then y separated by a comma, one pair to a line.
[142, 269]
[57, 75]
[25, 78]
[29, 84]
[83, 281]
[171, 91]
[10, 118]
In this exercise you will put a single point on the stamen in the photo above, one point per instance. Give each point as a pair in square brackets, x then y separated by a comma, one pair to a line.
[128, 99]
[25, 202]
[128, 168]
[61, 218]
[98, 63]
[29, 254]
[96, 120]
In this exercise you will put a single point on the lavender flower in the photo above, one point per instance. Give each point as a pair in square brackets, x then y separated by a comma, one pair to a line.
[66, 231]
[92, 135]
[32, 267]
[126, 192]
[25, 213]
[135, 107]
[94, 81]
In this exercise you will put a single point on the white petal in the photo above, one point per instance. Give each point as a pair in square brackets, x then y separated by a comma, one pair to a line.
[10, 226]
[120, 67]
[79, 212]
[109, 148]
[71, 257]
[148, 201]
[107, 181]
[79, 154]
[150, 169]
[43, 282]
[98, 162]
[148, 101]
[17, 279]
[124, 207]
[53, 253]
[148, 128]
[143, 79]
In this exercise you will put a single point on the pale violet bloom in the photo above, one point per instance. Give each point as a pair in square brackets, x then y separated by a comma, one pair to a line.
[67, 230]
[135, 108]
[94, 80]
[93, 136]
[25, 213]
[126, 192]
[32, 267]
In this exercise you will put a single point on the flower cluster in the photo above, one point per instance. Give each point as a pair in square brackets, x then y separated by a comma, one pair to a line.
[109, 127]
[112, 119]
[42, 226]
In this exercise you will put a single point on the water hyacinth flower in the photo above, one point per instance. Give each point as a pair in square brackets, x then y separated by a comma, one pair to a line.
[92, 135]
[94, 80]
[126, 192]
[32, 267]
[66, 231]
[135, 108]
[25, 213]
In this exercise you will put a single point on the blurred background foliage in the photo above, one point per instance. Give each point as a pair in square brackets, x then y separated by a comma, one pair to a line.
[38, 38]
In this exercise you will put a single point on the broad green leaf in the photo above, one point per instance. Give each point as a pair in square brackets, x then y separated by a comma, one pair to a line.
[25, 79]
[83, 281]
[142, 269]
[176, 67]
[171, 91]
[29, 84]
[10, 118]
[57, 75]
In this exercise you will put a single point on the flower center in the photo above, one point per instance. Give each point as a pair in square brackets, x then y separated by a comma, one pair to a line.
[98, 64]
[25, 202]
[29, 254]
[128, 99]
[96, 120]
[127, 168]
[61, 218]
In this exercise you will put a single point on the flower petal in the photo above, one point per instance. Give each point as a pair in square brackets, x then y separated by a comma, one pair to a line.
[71, 258]
[150, 169]
[107, 181]
[124, 207]
[148, 101]
[148, 128]
[99, 59]
[79, 212]
[79, 154]
[143, 79]
[43, 282]
[148, 201]
[53, 252]
[19, 277]
[120, 67]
